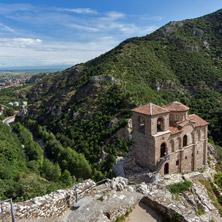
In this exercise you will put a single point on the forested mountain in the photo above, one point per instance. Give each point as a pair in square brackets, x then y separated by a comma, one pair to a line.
[85, 105]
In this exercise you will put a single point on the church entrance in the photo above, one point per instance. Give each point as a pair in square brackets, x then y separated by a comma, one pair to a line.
[166, 168]
[162, 150]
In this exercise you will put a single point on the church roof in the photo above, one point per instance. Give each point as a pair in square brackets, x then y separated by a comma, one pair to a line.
[197, 120]
[174, 130]
[150, 109]
[176, 107]
[183, 123]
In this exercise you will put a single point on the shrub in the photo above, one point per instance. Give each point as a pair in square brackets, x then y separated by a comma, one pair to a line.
[179, 187]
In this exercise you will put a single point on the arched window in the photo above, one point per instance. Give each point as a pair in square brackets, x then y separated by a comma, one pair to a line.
[141, 124]
[160, 124]
[163, 150]
[185, 140]
[166, 168]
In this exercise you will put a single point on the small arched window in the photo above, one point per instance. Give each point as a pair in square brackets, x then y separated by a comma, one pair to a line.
[166, 168]
[163, 150]
[160, 124]
[185, 140]
[141, 124]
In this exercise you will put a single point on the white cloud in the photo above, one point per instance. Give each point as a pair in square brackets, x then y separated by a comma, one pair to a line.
[35, 52]
[56, 36]
[79, 10]
[6, 28]
[11, 8]
[85, 28]
[115, 15]
[20, 42]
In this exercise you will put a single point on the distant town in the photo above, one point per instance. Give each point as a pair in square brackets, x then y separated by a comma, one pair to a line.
[13, 81]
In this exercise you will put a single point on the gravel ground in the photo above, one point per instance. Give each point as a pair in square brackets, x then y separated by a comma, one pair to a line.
[142, 213]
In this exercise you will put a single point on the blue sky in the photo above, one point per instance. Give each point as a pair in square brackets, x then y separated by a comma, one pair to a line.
[64, 32]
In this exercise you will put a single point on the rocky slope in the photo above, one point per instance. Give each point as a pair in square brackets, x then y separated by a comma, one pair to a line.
[111, 200]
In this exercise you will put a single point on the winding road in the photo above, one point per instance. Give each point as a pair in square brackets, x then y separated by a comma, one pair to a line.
[9, 120]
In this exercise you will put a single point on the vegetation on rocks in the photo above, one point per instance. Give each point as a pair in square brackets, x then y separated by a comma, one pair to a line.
[179, 187]
[214, 195]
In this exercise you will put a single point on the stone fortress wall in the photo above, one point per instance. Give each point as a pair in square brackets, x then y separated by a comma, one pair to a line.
[49, 205]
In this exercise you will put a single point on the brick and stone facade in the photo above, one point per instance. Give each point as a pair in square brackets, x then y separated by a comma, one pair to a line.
[169, 131]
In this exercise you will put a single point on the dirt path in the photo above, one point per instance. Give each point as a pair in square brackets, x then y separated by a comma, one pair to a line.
[142, 213]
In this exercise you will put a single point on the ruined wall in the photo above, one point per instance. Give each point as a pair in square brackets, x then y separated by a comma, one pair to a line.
[162, 209]
[52, 204]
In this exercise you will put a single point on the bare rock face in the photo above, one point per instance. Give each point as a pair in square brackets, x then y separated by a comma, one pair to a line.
[125, 133]
[22, 113]
[103, 78]
[167, 31]
[198, 32]
[206, 44]
[127, 167]
[113, 123]
[176, 24]
[192, 48]
[170, 85]
[76, 115]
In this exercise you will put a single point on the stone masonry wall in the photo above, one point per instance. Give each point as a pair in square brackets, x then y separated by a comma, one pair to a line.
[152, 203]
[52, 204]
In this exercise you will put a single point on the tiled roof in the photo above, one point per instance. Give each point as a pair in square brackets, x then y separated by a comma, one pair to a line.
[183, 123]
[176, 107]
[150, 109]
[197, 120]
[174, 130]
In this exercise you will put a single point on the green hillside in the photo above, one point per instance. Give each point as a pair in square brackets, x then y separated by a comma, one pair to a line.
[86, 105]
[23, 173]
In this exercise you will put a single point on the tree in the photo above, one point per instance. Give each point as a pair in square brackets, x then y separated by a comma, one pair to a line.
[47, 168]
[66, 178]
[56, 172]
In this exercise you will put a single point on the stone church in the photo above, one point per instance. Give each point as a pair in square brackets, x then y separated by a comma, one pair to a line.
[168, 140]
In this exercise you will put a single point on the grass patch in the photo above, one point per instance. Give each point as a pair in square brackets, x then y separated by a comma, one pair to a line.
[122, 218]
[179, 187]
[200, 211]
[101, 199]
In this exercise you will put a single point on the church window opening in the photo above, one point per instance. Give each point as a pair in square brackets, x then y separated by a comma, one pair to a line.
[163, 150]
[177, 163]
[141, 124]
[166, 168]
[185, 140]
[160, 125]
